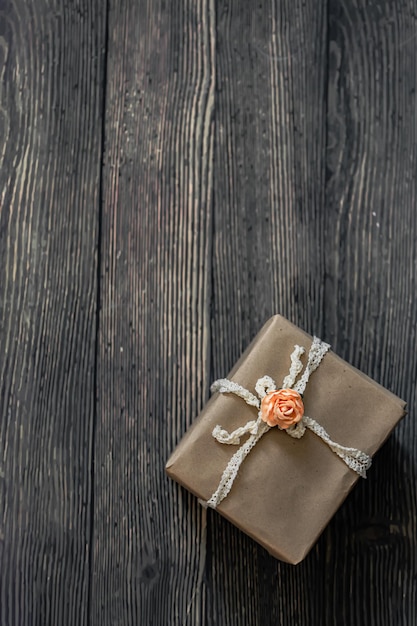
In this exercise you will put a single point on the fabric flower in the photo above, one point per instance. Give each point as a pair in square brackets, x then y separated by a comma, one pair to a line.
[282, 408]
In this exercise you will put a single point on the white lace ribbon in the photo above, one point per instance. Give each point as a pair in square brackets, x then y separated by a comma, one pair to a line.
[355, 459]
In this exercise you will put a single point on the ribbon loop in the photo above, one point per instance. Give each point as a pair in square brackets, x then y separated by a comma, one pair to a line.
[264, 385]
[233, 438]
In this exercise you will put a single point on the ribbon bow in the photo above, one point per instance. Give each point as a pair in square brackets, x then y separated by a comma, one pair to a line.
[265, 387]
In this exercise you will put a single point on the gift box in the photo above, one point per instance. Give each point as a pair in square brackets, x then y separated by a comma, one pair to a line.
[287, 488]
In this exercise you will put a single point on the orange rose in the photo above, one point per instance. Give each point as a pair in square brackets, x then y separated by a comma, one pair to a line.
[282, 408]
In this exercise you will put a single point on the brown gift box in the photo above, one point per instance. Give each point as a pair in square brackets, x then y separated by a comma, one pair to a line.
[287, 489]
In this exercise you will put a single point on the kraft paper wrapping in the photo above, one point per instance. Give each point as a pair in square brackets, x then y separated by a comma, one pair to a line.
[287, 490]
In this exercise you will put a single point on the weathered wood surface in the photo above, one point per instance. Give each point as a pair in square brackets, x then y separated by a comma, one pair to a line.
[154, 340]
[256, 158]
[370, 294]
[51, 69]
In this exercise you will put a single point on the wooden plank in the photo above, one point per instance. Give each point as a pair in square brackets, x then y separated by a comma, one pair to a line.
[370, 295]
[269, 181]
[51, 67]
[149, 536]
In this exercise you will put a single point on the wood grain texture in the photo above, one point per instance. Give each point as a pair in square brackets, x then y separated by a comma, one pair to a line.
[258, 157]
[371, 223]
[268, 252]
[51, 60]
[149, 537]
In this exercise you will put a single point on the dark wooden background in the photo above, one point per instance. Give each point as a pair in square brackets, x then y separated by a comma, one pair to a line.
[173, 172]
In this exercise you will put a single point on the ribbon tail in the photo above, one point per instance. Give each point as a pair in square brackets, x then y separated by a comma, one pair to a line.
[357, 460]
[230, 473]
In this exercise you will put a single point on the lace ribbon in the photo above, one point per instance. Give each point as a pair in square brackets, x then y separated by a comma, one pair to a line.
[355, 459]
